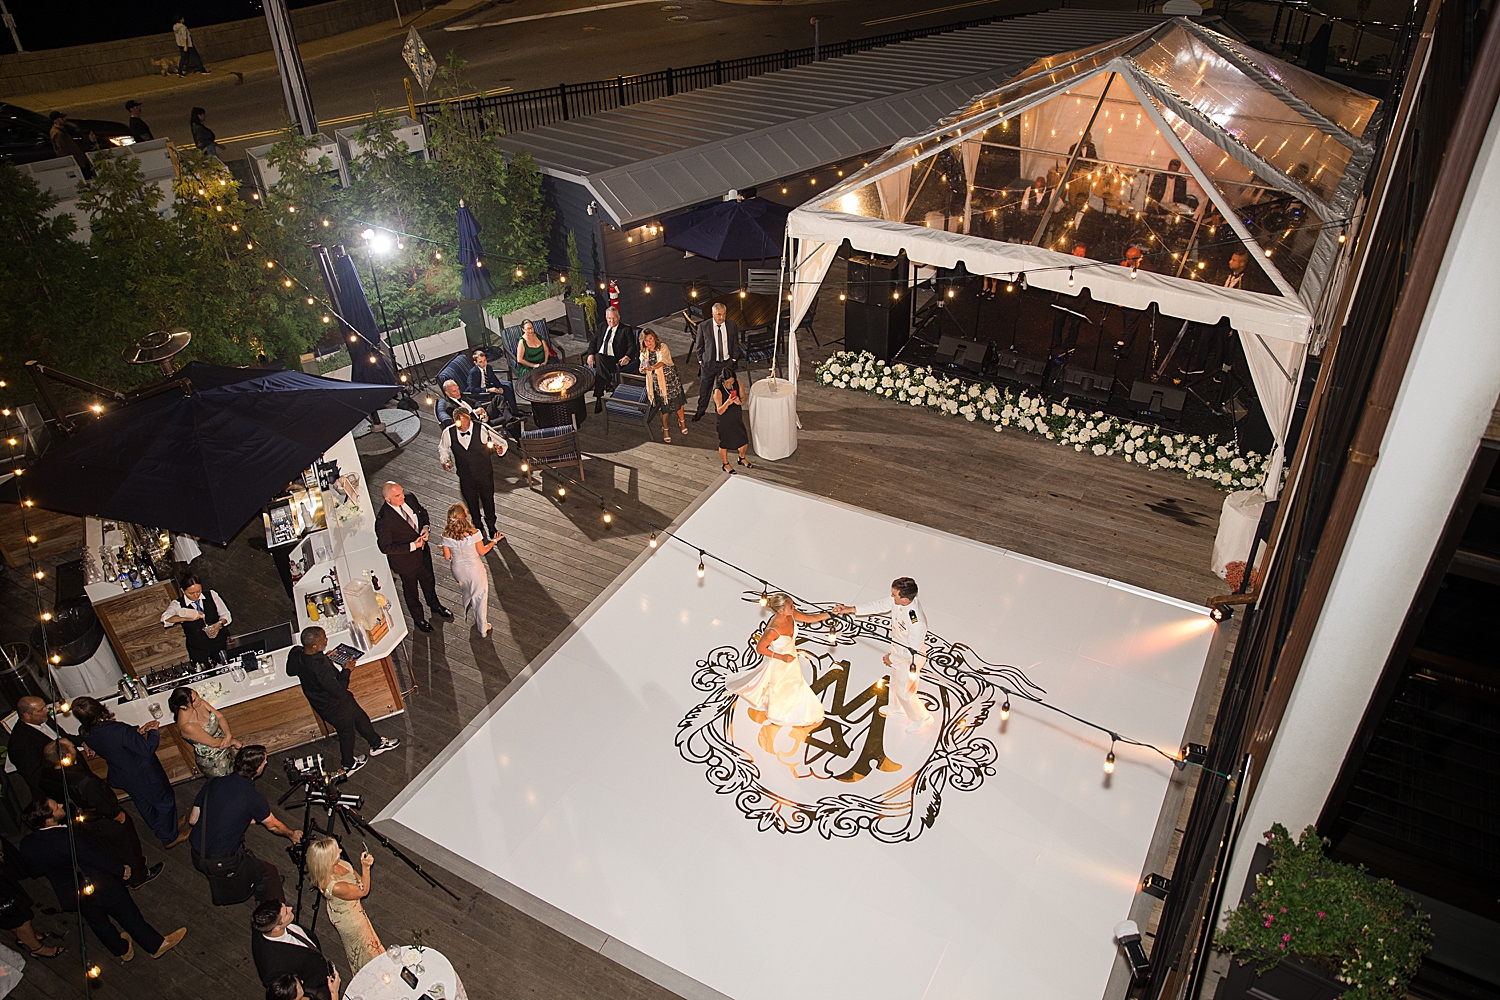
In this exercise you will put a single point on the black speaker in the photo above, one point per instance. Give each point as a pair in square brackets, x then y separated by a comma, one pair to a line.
[960, 352]
[876, 280]
[1085, 384]
[1157, 400]
[876, 329]
[1015, 367]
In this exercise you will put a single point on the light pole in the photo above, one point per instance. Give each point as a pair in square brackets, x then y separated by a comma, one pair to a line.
[10, 22]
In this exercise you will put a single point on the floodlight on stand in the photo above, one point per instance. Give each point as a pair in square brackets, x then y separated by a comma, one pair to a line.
[157, 348]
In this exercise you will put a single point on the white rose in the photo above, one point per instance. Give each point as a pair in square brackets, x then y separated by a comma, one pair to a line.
[1140, 457]
[1129, 447]
[1098, 449]
[1195, 459]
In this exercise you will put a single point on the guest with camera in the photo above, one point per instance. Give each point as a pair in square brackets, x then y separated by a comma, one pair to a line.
[47, 853]
[325, 684]
[288, 959]
[222, 813]
[130, 752]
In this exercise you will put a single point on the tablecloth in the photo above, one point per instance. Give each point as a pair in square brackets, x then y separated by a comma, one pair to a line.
[773, 418]
[381, 978]
[1237, 524]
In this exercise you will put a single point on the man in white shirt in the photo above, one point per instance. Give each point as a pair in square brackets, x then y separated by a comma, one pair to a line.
[611, 353]
[203, 616]
[908, 647]
[402, 533]
[465, 447]
[281, 948]
[32, 731]
[719, 347]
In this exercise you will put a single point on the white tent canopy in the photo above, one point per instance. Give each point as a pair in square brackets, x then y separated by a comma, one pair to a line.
[1233, 173]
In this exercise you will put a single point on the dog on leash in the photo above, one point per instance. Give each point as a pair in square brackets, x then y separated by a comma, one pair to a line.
[168, 67]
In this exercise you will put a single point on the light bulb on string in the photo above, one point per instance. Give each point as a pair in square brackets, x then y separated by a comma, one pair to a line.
[562, 491]
[46, 616]
[95, 972]
[608, 517]
[1005, 709]
[328, 319]
[648, 289]
[287, 282]
[652, 542]
[1109, 759]
[353, 338]
[438, 255]
[57, 658]
[765, 598]
[31, 538]
[309, 300]
[88, 887]
[249, 245]
[39, 574]
[525, 466]
[1070, 277]
[701, 569]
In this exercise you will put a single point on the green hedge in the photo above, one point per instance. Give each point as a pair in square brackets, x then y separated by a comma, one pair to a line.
[519, 298]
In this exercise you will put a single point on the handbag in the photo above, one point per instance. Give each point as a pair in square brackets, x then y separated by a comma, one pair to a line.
[230, 879]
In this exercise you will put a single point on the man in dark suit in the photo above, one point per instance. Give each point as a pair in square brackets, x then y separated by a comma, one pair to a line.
[98, 805]
[719, 347]
[33, 731]
[326, 687]
[401, 531]
[279, 947]
[612, 352]
[46, 852]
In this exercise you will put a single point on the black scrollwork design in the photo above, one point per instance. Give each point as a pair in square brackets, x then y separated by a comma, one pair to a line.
[959, 693]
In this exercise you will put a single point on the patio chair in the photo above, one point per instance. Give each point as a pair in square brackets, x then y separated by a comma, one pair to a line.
[807, 321]
[511, 336]
[763, 280]
[760, 348]
[551, 448]
[629, 402]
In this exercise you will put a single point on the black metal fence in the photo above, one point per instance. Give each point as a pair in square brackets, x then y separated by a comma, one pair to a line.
[531, 109]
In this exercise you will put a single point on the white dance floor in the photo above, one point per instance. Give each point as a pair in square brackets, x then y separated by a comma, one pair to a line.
[616, 793]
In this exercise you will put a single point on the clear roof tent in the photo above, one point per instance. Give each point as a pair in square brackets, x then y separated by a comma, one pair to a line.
[1232, 172]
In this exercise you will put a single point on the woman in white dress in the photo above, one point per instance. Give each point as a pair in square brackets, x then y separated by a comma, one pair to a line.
[462, 547]
[776, 694]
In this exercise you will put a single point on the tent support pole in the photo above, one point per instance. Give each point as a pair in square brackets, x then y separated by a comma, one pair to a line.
[786, 261]
[1041, 227]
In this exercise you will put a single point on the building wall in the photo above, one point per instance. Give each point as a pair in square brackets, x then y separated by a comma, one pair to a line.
[1441, 412]
[81, 65]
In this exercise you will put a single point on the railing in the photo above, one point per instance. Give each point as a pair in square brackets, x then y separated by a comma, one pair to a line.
[531, 109]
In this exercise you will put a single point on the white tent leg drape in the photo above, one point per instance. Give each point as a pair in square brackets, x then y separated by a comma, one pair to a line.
[971, 161]
[894, 190]
[1275, 367]
[808, 270]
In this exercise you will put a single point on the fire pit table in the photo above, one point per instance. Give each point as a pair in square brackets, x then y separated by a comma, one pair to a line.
[556, 392]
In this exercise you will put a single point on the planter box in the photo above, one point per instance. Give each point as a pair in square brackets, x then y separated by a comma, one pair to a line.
[547, 309]
[1294, 979]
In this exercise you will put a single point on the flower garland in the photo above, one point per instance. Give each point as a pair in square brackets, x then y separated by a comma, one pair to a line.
[1100, 433]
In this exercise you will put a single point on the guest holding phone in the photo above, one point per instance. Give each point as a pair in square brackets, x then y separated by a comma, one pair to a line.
[728, 402]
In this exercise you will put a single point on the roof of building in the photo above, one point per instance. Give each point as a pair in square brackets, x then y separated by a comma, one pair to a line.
[649, 159]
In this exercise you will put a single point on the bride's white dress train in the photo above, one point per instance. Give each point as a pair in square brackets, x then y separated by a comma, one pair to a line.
[778, 688]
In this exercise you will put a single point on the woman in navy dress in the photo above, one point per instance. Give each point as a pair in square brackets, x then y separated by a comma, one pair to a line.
[134, 769]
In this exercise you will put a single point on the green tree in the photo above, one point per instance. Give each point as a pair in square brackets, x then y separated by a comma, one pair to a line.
[527, 222]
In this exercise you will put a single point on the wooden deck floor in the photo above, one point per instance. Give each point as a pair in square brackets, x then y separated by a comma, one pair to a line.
[1150, 529]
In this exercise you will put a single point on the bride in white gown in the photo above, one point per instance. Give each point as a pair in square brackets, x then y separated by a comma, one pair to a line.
[775, 693]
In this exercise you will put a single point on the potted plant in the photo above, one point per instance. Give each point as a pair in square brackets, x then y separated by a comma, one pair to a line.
[1367, 932]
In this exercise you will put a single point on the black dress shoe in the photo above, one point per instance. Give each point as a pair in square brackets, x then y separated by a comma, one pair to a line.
[697, 417]
[599, 404]
[425, 626]
[443, 613]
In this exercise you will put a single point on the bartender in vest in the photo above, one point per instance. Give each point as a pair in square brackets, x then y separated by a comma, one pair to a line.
[465, 447]
[203, 616]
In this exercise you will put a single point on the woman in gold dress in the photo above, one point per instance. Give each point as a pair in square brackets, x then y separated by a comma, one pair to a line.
[343, 889]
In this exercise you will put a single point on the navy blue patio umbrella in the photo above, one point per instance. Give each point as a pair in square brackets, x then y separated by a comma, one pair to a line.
[203, 455]
[476, 281]
[354, 307]
[752, 229]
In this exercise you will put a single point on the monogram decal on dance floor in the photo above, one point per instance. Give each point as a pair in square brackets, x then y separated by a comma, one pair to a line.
[889, 781]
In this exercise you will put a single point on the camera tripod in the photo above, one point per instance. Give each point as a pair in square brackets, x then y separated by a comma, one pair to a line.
[321, 792]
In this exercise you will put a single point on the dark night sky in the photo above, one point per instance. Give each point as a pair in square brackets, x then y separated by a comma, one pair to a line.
[49, 25]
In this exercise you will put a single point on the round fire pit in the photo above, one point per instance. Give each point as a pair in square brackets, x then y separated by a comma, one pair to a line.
[555, 393]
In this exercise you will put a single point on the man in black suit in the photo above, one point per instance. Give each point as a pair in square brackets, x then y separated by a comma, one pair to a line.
[326, 687]
[401, 531]
[98, 805]
[33, 731]
[718, 345]
[280, 948]
[465, 447]
[612, 352]
[47, 852]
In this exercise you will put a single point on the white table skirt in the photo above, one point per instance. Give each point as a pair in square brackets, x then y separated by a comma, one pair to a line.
[1237, 524]
[773, 418]
[381, 978]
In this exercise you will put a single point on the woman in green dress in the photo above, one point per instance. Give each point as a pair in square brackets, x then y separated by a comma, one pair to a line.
[214, 746]
[531, 350]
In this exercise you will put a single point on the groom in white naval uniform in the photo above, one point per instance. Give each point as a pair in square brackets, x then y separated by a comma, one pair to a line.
[908, 633]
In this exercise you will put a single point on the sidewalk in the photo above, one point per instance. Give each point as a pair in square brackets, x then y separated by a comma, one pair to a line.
[246, 67]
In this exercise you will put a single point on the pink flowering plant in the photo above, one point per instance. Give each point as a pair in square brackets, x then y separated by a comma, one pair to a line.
[1327, 911]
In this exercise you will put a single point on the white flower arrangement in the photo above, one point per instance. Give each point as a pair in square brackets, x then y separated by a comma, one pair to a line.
[1096, 431]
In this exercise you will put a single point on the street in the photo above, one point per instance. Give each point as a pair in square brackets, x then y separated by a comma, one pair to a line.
[554, 41]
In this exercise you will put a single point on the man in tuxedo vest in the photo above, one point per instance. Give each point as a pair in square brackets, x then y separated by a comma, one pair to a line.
[718, 344]
[465, 447]
[279, 947]
[402, 534]
[612, 352]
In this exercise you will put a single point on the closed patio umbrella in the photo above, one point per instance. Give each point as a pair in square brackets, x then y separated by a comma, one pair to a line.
[476, 281]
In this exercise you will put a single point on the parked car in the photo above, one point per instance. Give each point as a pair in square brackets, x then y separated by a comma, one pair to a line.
[25, 136]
